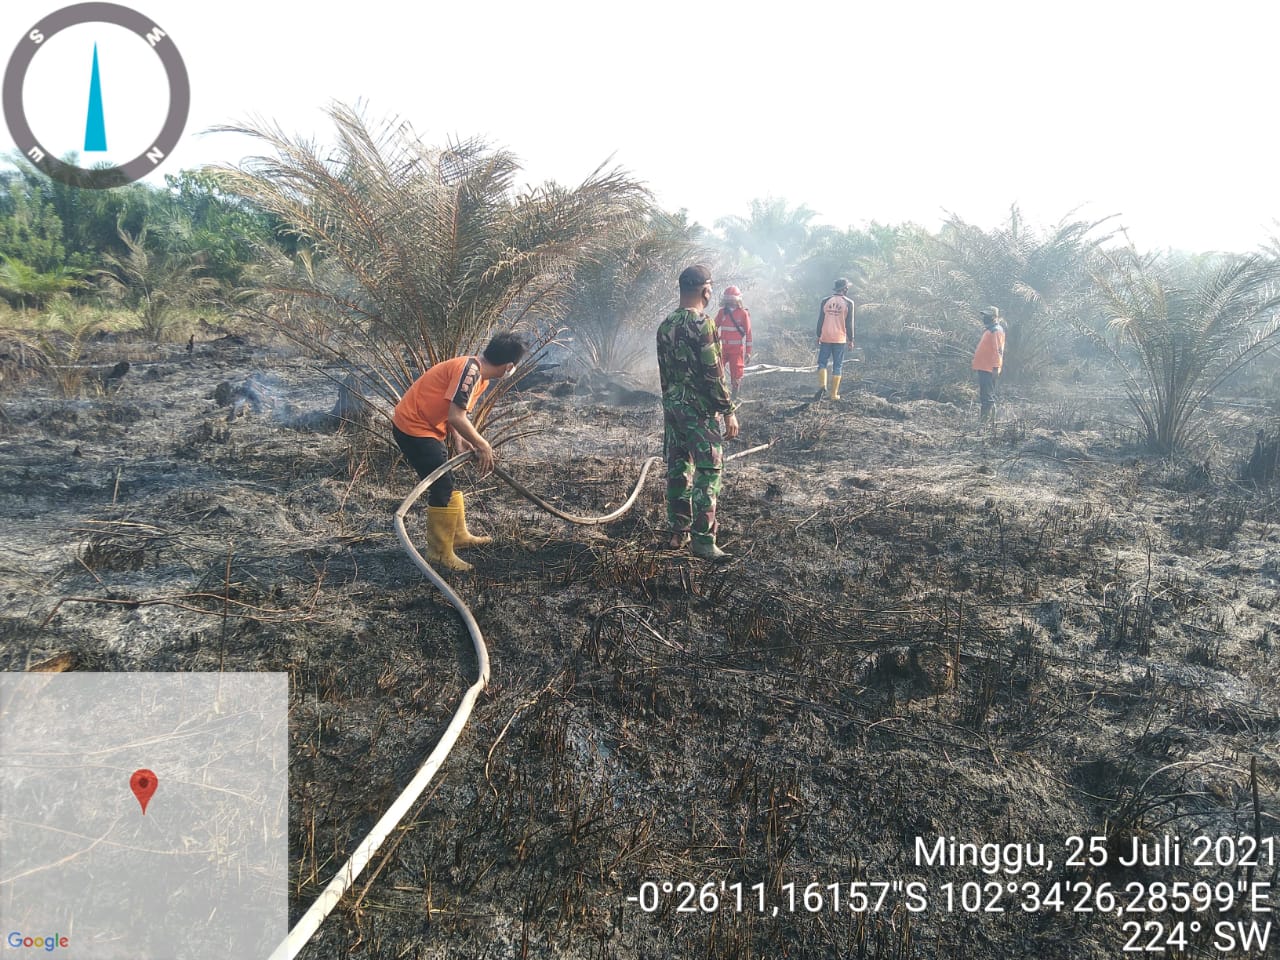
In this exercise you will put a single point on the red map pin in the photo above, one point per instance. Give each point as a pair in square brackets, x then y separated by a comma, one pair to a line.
[143, 784]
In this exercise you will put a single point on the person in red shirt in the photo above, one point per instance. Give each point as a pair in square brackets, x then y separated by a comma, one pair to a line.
[733, 323]
[988, 360]
[436, 405]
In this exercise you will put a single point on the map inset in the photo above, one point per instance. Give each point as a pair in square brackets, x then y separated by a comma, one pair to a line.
[86, 873]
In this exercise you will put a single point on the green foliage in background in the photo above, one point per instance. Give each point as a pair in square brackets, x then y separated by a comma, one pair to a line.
[154, 284]
[390, 255]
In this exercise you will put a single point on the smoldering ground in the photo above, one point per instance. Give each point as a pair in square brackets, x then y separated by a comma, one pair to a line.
[1008, 636]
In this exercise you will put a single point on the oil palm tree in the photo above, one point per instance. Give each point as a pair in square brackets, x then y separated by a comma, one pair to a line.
[762, 249]
[1040, 282]
[774, 234]
[26, 286]
[624, 290]
[1179, 336]
[154, 283]
[411, 254]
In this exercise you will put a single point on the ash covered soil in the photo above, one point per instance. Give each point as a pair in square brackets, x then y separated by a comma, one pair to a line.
[1011, 635]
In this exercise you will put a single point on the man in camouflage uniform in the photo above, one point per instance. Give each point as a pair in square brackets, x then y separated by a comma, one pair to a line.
[694, 395]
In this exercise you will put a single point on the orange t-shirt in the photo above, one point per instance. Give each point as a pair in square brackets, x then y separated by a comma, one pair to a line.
[990, 353]
[835, 320]
[423, 411]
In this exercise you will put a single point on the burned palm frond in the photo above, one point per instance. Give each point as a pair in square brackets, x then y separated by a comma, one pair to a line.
[981, 697]
[1212, 522]
[58, 663]
[1127, 621]
[21, 359]
[112, 550]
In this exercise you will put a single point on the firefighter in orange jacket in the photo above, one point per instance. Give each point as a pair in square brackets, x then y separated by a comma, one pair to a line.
[733, 324]
[988, 360]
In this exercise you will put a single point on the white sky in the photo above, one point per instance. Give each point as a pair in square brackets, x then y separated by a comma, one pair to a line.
[1156, 112]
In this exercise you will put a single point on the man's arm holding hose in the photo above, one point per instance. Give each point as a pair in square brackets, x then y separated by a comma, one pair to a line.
[461, 424]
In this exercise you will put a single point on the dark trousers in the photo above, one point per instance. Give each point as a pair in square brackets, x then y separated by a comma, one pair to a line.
[987, 391]
[426, 454]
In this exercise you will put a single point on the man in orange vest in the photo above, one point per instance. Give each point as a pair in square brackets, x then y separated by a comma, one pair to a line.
[733, 323]
[988, 360]
[835, 336]
[436, 404]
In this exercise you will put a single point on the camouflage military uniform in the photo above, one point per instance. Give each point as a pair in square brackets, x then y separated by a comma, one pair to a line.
[694, 394]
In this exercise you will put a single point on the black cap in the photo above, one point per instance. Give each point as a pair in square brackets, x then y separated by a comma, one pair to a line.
[841, 285]
[694, 277]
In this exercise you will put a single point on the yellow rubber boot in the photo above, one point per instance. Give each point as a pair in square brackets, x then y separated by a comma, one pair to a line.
[835, 387]
[441, 522]
[822, 384]
[462, 537]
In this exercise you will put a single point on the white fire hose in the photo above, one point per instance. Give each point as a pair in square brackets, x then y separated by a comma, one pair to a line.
[324, 904]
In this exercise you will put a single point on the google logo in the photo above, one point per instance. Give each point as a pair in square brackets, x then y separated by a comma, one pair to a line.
[17, 940]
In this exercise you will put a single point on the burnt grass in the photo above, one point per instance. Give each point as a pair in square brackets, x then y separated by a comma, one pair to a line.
[1007, 635]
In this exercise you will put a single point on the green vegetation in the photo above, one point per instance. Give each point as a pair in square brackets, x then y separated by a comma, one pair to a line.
[154, 284]
[25, 286]
[157, 251]
[388, 254]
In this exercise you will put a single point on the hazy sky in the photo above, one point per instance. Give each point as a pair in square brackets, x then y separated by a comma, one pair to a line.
[1156, 112]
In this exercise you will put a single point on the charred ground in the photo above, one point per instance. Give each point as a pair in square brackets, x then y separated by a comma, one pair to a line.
[926, 630]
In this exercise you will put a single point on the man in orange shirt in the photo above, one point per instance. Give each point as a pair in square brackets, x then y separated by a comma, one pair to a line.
[835, 336]
[438, 402]
[988, 360]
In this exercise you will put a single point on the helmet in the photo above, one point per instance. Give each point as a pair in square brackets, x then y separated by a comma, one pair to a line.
[731, 295]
